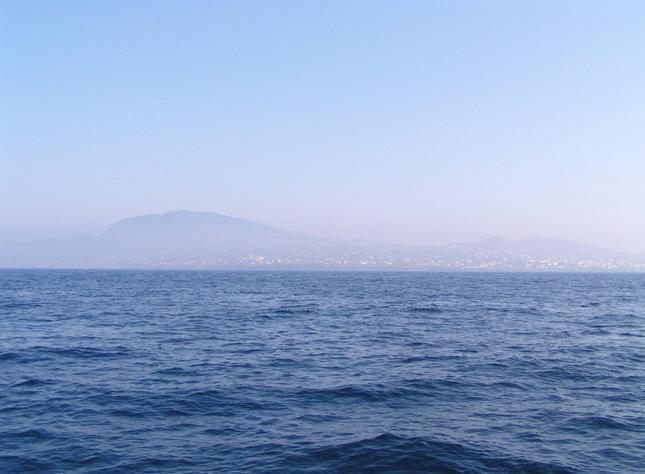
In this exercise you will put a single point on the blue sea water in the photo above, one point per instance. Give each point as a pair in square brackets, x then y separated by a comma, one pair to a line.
[146, 371]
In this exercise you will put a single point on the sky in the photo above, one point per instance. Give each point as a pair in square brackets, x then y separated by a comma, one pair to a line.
[421, 122]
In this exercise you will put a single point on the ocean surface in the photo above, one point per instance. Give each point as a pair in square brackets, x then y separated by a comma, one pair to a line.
[146, 371]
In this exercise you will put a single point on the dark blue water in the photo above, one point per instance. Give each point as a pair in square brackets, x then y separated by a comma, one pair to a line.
[321, 372]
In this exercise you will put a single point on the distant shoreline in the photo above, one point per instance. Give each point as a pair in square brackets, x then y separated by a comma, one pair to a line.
[322, 270]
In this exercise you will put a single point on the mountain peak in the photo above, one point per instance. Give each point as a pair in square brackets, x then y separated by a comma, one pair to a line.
[181, 221]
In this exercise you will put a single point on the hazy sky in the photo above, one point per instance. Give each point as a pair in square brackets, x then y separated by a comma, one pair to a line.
[403, 121]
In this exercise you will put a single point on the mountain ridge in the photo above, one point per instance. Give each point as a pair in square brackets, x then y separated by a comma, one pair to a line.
[187, 239]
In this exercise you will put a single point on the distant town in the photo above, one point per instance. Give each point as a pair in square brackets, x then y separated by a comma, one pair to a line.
[202, 240]
[482, 263]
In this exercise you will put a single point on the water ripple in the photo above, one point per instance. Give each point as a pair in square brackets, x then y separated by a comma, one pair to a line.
[199, 372]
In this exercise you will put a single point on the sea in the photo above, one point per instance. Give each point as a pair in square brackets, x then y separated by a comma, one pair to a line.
[316, 372]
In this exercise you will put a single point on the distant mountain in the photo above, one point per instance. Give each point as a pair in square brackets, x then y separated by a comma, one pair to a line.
[183, 239]
[185, 235]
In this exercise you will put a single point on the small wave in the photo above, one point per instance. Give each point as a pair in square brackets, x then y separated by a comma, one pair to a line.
[287, 362]
[9, 356]
[12, 463]
[424, 309]
[409, 390]
[399, 454]
[318, 418]
[563, 373]
[293, 311]
[426, 358]
[30, 383]
[214, 402]
[176, 371]
[596, 422]
[339, 393]
[19, 305]
[506, 385]
[33, 434]
[42, 353]
[83, 352]
[615, 316]
[154, 464]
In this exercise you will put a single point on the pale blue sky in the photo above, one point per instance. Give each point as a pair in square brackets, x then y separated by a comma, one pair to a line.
[402, 121]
